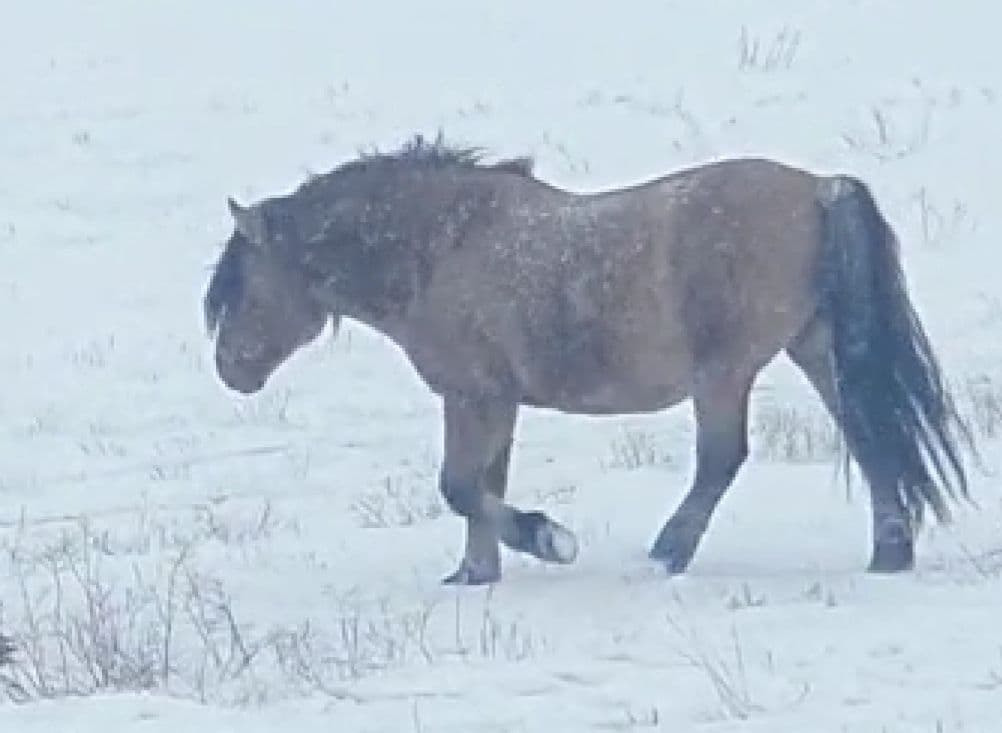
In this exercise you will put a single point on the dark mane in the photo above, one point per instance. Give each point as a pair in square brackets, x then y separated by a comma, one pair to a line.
[226, 283]
[418, 152]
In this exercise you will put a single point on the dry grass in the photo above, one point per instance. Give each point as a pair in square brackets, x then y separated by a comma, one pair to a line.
[768, 53]
[980, 400]
[634, 449]
[891, 133]
[727, 671]
[728, 677]
[96, 612]
[399, 502]
[795, 434]
[806, 433]
[84, 625]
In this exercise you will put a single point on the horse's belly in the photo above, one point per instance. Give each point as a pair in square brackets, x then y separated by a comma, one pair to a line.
[604, 367]
[611, 397]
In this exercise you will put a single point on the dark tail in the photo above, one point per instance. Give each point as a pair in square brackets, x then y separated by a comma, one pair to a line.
[895, 409]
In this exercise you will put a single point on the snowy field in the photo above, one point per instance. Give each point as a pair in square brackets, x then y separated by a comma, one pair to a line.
[177, 558]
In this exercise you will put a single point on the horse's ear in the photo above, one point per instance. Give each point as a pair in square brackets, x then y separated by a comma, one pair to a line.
[249, 221]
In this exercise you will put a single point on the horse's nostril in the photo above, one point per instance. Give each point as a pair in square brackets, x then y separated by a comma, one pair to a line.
[240, 380]
[244, 384]
[238, 373]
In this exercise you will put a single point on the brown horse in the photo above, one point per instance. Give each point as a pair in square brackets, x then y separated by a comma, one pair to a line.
[505, 291]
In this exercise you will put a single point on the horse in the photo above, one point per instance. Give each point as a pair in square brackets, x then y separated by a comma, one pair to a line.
[506, 291]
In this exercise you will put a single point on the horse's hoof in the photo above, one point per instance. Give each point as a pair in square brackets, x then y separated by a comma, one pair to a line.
[538, 535]
[672, 565]
[468, 574]
[897, 557]
[674, 560]
[555, 543]
[676, 545]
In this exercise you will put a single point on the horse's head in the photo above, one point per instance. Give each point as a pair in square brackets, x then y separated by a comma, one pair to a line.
[259, 304]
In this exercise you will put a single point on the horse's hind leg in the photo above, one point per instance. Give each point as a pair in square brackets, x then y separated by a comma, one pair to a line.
[478, 438]
[893, 539]
[721, 409]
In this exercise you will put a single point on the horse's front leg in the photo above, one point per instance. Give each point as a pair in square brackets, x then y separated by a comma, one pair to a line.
[478, 438]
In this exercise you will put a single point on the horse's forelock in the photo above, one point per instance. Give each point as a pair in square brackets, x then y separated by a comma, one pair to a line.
[226, 282]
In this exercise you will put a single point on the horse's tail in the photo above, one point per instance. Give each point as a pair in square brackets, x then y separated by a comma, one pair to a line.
[894, 407]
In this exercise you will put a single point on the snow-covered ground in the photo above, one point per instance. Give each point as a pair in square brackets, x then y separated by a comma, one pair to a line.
[177, 558]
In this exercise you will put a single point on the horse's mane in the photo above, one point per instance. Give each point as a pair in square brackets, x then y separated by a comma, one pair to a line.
[437, 154]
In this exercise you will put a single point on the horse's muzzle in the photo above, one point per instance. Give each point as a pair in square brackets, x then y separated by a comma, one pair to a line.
[240, 376]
